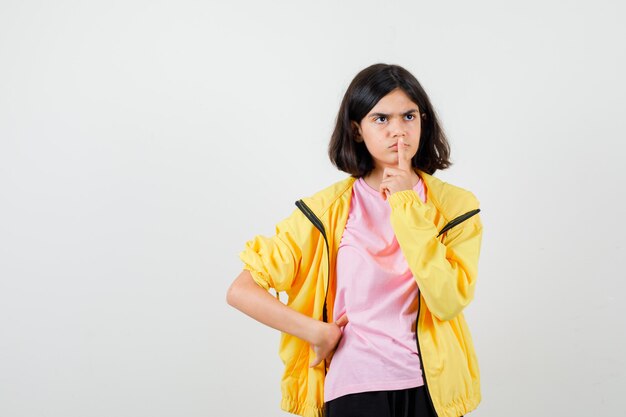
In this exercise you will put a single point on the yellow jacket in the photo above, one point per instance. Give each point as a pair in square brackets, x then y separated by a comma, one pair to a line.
[440, 240]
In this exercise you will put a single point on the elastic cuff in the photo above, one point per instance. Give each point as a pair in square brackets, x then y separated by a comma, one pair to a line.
[405, 196]
[257, 277]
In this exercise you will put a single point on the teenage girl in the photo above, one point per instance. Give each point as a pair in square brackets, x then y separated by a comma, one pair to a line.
[388, 254]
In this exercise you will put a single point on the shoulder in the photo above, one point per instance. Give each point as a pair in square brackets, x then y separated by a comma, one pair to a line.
[451, 199]
[322, 200]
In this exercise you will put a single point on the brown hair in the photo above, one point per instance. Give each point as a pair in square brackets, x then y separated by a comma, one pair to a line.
[365, 90]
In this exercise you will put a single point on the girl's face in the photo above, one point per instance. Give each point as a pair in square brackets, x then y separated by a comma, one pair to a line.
[395, 116]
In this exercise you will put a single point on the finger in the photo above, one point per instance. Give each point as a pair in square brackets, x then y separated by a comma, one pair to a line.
[315, 362]
[404, 156]
[383, 190]
[342, 321]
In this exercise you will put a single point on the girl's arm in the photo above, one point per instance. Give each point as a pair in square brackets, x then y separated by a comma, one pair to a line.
[445, 273]
[248, 297]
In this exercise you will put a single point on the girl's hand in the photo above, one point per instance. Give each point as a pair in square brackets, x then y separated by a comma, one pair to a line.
[327, 339]
[400, 178]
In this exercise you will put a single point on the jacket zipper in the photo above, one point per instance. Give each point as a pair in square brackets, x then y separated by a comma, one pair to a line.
[447, 227]
[320, 226]
[419, 354]
[458, 220]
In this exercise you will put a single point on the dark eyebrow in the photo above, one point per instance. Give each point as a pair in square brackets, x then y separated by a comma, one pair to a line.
[387, 115]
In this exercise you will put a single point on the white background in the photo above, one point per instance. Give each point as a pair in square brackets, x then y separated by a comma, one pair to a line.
[143, 142]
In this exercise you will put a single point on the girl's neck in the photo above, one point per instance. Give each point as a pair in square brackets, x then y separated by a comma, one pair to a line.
[375, 177]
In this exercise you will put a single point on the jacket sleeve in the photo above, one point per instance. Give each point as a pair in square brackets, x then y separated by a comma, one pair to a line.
[445, 273]
[274, 261]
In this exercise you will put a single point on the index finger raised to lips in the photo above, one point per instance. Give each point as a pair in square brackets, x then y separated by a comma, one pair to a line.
[404, 157]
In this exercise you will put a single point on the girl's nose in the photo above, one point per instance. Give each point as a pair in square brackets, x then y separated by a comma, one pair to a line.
[396, 128]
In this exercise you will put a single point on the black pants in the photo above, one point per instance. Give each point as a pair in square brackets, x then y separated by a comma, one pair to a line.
[410, 402]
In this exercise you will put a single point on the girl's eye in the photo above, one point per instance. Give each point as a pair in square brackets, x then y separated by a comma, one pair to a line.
[384, 118]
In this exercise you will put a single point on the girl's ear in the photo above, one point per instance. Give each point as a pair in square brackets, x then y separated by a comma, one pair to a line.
[356, 131]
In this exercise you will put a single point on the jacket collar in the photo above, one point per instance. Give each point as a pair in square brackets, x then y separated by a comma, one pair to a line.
[321, 201]
[331, 205]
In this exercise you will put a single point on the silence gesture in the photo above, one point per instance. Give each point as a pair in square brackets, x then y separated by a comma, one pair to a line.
[400, 178]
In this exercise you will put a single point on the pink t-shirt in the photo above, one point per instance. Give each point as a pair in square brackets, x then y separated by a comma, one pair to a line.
[377, 290]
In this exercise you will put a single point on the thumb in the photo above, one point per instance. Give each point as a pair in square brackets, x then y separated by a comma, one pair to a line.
[315, 361]
[342, 321]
